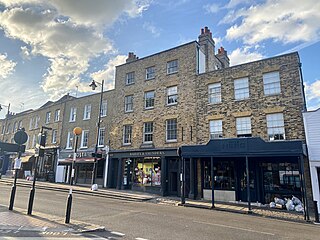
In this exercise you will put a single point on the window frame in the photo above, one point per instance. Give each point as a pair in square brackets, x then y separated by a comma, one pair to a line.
[130, 78]
[214, 97]
[48, 117]
[240, 129]
[172, 66]
[73, 114]
[173, 131]
[271, 83]
[101, 136]
[215, 133]
[84, 139]
[127, 103]
[54, 136]
[172, 94]
[241, 90]
[149, 100]
[148, 134]
[70, 140]
[87, 112]
[56, 115]
[275, 125]
[127, 139]
[104, 108]
[152, 73]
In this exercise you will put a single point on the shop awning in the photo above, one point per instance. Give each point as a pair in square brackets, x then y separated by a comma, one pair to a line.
[68, 161]
[240, 147]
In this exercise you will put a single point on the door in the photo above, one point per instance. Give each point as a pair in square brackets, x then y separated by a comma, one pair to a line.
[242, 193]
[113, 173]
[173, 173]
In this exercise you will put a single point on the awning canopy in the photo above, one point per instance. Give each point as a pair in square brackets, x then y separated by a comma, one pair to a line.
[241, 147]
[68, 161]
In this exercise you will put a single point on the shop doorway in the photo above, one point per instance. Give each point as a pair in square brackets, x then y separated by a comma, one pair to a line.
[242, 181]
[173, 172]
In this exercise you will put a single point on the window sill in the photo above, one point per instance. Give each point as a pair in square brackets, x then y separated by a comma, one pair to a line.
[171, 104]
[128, 84]
[86, 119]
[149, 108]
[83, 147]
[217, 103]
[148, 79]
[171, 141]
[172, 73]
[128, 111]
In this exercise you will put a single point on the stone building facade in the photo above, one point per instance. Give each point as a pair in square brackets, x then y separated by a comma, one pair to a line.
[185, 96]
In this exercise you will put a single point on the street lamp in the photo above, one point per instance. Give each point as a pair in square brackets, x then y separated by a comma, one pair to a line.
[42, 144]
[5, 124]
[93, 85]
[77, 131]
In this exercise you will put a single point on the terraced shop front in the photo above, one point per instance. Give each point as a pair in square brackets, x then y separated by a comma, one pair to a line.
[147, 170]
[245, 169]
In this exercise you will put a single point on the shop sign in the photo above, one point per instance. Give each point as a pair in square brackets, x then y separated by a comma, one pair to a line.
[154, 153]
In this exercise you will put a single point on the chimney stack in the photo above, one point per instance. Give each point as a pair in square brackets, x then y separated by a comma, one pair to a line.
[131, 57]
[223, 57]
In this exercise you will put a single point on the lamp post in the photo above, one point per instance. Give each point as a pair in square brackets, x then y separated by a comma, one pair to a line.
[5, 123]
[93, 85]
[77, 131]
[42, 144]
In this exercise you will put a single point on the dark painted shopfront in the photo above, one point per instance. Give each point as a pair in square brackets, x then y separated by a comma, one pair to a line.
[275, 169]
[155, 171]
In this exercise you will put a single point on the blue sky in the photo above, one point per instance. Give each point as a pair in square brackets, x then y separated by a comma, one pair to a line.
[52, 47]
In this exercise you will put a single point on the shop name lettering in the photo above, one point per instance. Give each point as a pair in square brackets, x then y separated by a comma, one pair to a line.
[147, 153]
[80, 154]
[233, 145]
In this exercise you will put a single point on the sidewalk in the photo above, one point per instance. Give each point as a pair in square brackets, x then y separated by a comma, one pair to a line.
[241, 208]
[18, 224]
[128, 195]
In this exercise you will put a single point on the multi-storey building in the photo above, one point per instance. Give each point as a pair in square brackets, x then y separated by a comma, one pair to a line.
[239, 129]
[47, 119]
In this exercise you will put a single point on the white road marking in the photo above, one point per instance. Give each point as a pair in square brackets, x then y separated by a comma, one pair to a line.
[237, 228]
[141, 239]
[118, 233]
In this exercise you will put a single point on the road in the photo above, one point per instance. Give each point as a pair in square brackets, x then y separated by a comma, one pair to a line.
[147, 220]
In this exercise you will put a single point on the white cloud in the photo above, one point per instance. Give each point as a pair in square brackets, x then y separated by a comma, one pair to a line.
[243, 55]
[7, 66]
[280, 20]
[212, 8]
[313, 94]
[108, 74]
[234, 3]
[151, 28]
[68, 33]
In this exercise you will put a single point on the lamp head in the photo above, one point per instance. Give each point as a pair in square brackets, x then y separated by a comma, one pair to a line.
[93, 85]
[77, 131]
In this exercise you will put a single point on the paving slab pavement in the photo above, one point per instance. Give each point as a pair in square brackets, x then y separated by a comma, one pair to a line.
[17, 223]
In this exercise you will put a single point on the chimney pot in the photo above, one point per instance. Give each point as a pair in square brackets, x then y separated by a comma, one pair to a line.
[206, 29]
[202, 31]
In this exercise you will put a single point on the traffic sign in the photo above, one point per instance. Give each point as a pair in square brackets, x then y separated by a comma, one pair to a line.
[20, 137]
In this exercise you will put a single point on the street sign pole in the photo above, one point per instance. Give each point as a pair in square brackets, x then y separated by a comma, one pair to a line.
[20, 137]
[42, 144]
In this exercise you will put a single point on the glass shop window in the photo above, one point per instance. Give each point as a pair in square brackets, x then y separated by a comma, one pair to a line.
[224, 178]
[147, 172]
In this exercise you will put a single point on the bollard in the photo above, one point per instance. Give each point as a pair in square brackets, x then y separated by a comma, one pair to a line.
[316, 213]
[69, 205]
